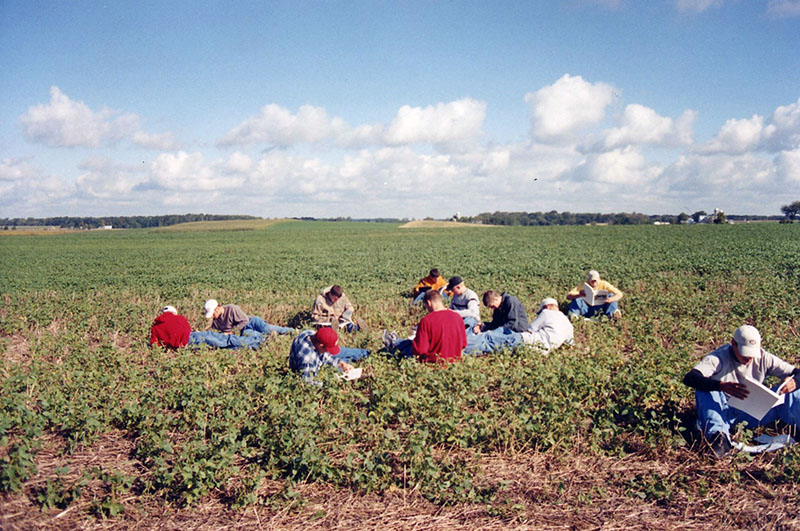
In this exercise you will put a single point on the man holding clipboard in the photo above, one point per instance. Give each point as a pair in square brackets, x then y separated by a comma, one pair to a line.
[723, 381]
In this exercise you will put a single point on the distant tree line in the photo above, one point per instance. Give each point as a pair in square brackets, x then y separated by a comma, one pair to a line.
[584, 218]
[118, 222]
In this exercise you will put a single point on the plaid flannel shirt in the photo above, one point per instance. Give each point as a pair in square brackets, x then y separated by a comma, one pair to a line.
[304, 358]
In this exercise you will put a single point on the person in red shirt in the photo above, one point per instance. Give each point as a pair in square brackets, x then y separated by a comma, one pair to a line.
[170, 329]
[440, 336]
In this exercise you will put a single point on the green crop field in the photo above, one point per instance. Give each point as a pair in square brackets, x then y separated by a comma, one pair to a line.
[98, 431]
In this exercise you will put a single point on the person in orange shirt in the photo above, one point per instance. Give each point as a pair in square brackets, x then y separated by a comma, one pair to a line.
[433, 281]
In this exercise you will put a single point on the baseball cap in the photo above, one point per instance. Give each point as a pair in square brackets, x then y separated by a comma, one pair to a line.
[329, 338]
[209, 307]
[170, 309]
[545, 302]
[749, 341]
[453, 282]
[593, 275]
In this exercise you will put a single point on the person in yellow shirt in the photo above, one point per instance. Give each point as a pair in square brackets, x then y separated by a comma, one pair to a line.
[593, 297]
[433, 281]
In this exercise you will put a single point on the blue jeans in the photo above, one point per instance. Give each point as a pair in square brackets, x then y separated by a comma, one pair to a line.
[579, 307]
[714, 415]
[349, 355]
[492, 340]
[419, 297]
[470, 322]
[257, 324]
[220, 340]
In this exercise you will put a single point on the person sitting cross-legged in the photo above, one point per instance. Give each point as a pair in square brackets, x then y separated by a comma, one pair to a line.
[605, 303]
[440, 336]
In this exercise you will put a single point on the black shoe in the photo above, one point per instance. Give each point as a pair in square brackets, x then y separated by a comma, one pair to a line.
[720, 445]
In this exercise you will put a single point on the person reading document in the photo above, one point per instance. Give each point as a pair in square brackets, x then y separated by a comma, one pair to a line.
[726, 382]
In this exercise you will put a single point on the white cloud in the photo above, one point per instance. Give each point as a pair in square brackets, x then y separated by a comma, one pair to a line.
[450, 124]
[189, 173]
[15, 169]
[786, 123]
[27, 188]
[105, 179]
[67, 123]
[696, 6]
[783, 8]
[788, 166]
[737, 136]
[620, 166]
[159, 142]
[567, 106]
[642, 125]
[277, 125]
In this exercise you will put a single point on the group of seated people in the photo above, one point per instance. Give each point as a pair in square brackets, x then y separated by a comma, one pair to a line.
[451, 327]
[449, 330]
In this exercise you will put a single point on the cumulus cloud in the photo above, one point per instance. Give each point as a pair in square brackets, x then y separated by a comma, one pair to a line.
[158, 142]
[642, 125]
[64, 122]
[105, 179]
[190, 173]
[788, 166]
[696, 6]
[779, 133]
[567, 106]
[445, 124]
[783, 8]
[277, 125]
[67, 123]
[619, 166]
[28, 188]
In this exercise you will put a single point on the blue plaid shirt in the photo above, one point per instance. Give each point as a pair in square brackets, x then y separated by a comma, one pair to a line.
[303, 357]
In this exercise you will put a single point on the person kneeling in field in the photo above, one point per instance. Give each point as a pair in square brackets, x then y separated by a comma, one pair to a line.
[333, 308]
[171, 330]
[440, 335]
[723, 373]
[593, 297]
[230, 319]
[311, 350]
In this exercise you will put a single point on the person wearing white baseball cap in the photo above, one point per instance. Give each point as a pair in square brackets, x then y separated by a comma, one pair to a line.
[230, 319]
[593, 297]
[550, 329]
[719, 375]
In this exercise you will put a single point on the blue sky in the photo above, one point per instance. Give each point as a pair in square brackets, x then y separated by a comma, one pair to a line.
[399, 109]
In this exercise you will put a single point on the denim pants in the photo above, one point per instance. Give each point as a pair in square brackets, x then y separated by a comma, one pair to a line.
[257, 324]
[349, 355]
[714, 415]
[578, 306]
[220, 340]
[419, 297]
[492, 340]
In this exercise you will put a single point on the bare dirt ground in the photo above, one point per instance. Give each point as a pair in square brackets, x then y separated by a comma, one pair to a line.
[685, 489]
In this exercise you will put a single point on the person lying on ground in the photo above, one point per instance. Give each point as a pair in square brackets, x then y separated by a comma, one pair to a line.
[311, 350]
[464, 302]
[722, 373]
[439, 337]
[333, 308]
[606, 305]
[230, 319]
[172, 331]
[433, 281]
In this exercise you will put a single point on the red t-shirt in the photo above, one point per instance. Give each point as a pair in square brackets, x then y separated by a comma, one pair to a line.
[170, 330]
[440, 337]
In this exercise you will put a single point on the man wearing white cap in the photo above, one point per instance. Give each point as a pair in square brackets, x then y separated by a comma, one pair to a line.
[550, 329]
[230, 319]
[720, 373]
[607, 305]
